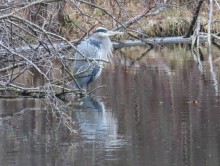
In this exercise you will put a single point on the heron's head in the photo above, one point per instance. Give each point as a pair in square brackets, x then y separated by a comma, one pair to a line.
[103, 32]
[102, 35]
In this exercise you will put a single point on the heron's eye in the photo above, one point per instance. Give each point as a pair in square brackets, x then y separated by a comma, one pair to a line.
[101, 30]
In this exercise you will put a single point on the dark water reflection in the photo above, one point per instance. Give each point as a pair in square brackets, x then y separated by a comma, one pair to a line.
[161, 110]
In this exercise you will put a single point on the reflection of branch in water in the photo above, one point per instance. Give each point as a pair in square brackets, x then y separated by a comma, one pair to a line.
[197, 53]
[198, 57]
[142, 55]
[213, 74]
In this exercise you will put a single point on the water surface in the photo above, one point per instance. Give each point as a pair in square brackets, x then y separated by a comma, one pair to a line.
[160, 109]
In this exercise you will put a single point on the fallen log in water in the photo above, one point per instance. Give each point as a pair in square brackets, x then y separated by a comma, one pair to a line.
[126, 43]
[157, 41]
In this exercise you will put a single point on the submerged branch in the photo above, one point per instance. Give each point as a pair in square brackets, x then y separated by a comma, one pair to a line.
[39, 92]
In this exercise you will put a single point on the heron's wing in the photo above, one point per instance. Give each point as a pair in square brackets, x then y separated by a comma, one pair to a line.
[89, 49]
[87, 70]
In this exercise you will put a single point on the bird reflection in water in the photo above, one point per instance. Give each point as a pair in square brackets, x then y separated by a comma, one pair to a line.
[98, 123]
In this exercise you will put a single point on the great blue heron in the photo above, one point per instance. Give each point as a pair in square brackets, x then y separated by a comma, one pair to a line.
[92, 55]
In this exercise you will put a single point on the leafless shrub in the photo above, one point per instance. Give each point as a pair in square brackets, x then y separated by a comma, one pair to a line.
[34, 57]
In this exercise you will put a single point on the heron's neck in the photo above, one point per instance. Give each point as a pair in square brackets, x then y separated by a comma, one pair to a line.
[107, 48]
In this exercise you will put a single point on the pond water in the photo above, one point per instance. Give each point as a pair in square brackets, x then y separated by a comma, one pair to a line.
[160, 108]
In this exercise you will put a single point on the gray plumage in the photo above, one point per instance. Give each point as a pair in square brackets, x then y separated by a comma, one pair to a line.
[88, 66]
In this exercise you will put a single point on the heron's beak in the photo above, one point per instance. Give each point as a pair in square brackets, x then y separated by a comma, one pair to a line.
[112, 33]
